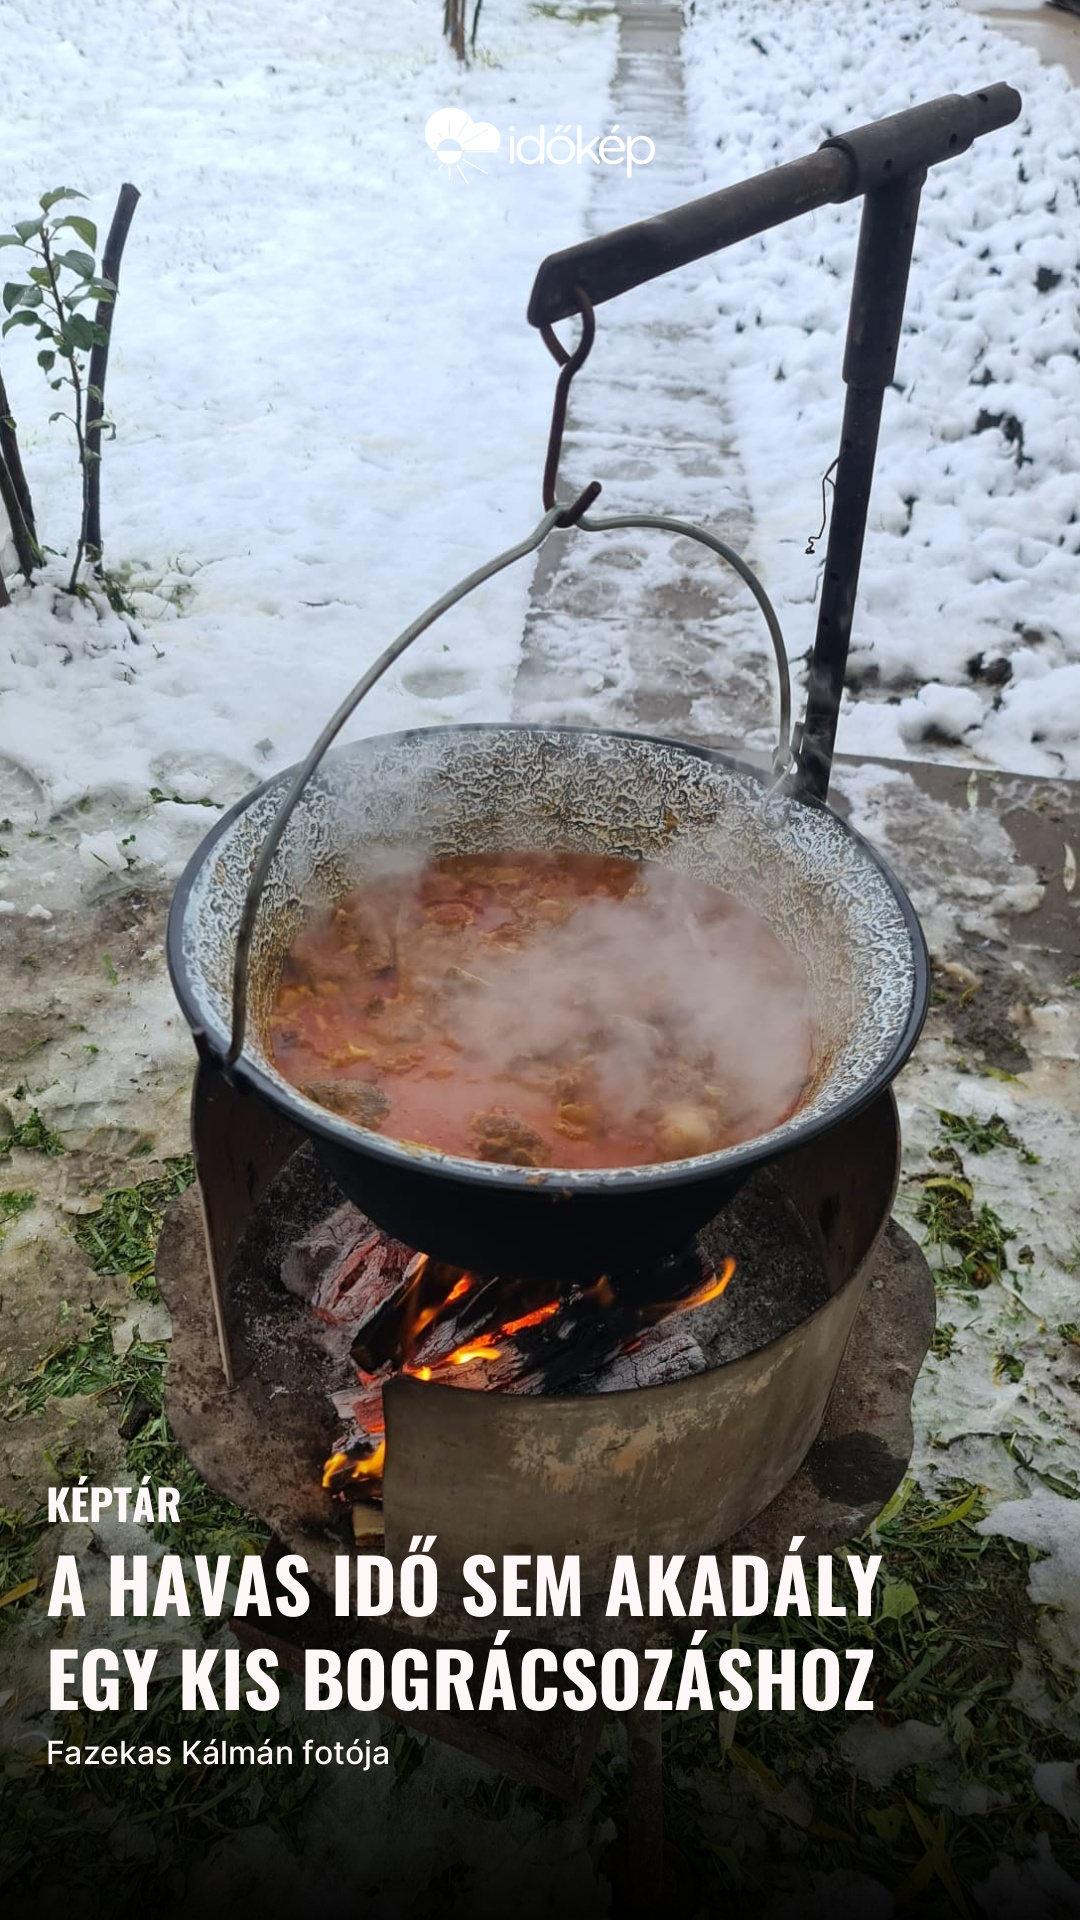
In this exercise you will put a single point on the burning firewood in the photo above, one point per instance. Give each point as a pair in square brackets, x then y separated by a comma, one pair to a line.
[362, 1403]
[664, 1354]
[434, 1322]
[307, 1260]
[358, 1281]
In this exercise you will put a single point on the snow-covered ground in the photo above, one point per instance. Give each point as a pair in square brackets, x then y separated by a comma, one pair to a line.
[329, 407]
[968, 623]
[328, 403]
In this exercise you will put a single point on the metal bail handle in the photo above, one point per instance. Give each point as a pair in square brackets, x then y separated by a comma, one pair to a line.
[783, 755]
[664, 523]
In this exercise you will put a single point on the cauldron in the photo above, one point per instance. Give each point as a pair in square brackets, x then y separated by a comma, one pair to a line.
[769, 839]
[814, 881]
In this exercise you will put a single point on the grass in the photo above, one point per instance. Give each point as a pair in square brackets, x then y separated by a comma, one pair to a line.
[19, 1535]
[948, 1657]
[33, 1136]
[955, 1610]
[68, 1830]
[955, 1224]
[943, 1341]
[753, 1804]
[756, 1803]
[982, 1136]
[974, 1233]
[122, 1236]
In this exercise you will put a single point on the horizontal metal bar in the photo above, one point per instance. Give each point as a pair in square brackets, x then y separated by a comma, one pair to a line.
[845, 166]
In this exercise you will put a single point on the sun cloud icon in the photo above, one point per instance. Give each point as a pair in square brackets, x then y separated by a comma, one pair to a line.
[454, 137]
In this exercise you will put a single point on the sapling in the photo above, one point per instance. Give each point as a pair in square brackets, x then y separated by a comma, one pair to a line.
[58, 284]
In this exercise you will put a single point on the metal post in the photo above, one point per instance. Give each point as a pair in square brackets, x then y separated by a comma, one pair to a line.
[886, 238]
[645, 1812]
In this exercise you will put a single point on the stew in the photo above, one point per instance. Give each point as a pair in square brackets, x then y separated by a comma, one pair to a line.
[546, 1009]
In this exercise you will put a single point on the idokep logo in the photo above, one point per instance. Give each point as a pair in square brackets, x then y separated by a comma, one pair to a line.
[455, 137]
[568, 144]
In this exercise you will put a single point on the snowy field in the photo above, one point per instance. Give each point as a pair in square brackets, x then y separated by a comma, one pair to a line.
[968, 623]
[328, 404]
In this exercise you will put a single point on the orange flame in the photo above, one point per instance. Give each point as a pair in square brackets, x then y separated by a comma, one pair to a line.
[428, 1314]
[710, 1289]
[530, 1319]
[368, 1468]
[344, 1467]
[601, 1291]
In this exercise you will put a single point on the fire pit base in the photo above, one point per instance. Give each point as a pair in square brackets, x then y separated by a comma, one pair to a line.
[676, 1468]
[853, 1466]
[856, 1463]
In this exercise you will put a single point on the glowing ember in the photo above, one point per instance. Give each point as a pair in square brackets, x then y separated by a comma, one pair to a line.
[530, 1319]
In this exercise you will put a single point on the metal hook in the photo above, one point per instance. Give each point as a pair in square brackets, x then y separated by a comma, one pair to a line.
[569, 364]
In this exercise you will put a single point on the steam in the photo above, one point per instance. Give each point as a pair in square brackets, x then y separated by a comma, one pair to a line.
[673, 985]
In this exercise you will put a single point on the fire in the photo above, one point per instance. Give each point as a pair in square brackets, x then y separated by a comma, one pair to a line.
[368, 1468]
[601, 1291]
[459, 1358]
[530, 1319]
[603, 1298]
[710, 1289]
[426, 1315]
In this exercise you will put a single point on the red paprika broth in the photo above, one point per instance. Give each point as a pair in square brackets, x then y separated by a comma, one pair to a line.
[545, 1009]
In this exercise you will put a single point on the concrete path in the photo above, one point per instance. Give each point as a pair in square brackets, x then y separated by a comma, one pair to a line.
[1054, 32]
[627, 629]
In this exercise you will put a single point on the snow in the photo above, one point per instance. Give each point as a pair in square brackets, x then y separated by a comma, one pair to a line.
[878, 1753]
[329, 406]
[1055, 1782]
[1038, 1888]
[1051, 1524]
[973, 543]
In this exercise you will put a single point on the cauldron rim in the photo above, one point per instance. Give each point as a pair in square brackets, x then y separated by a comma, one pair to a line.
[320, 1123]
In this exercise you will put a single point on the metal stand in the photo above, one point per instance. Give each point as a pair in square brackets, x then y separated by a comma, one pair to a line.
[239, 1143]
[887, 162]
[644, 1811]
[886, 239]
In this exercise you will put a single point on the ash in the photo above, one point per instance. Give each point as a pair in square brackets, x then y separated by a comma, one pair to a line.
[278, 1339]
[778, 1280]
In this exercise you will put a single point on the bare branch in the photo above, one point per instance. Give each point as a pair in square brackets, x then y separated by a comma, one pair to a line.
[21, 513]
[99, 362]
